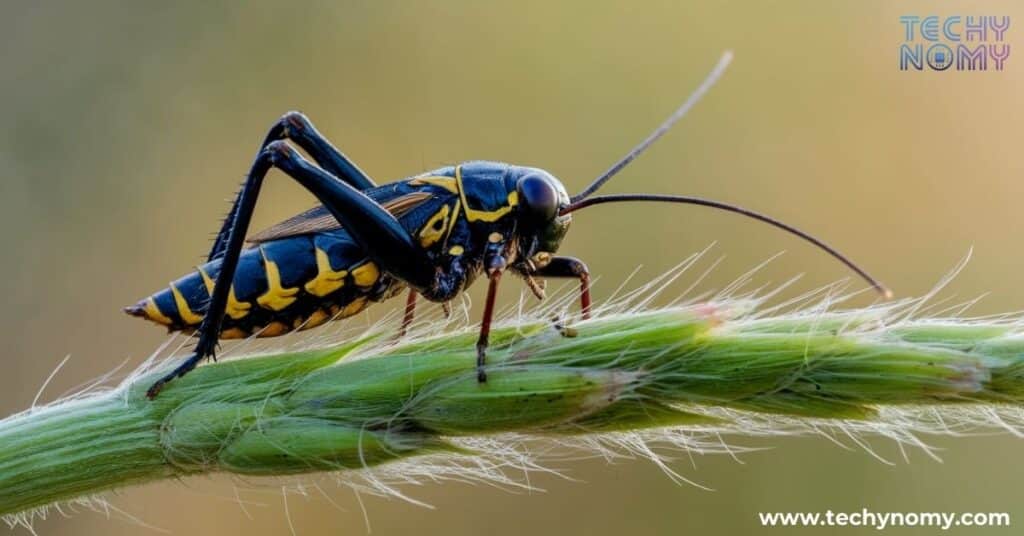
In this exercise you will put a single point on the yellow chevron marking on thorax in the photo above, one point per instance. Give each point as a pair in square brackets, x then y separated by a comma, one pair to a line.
[447, 183]
[366, 275]
[235, 309]
[451, 223]
[184, 312]
[435, 228]
[327, 280]
[277, 297]
[473, 214]
[155, 314]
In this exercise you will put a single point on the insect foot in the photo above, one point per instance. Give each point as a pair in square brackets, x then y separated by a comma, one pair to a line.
[558, 322]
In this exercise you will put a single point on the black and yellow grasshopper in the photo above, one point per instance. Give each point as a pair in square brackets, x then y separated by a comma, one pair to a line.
[431, 234]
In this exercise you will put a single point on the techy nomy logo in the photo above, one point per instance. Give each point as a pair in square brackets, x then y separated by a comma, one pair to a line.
[966, 43]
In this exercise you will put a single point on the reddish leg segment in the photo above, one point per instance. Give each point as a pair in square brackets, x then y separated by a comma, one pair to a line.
[410, 313]
[565, 267]
[485, 326]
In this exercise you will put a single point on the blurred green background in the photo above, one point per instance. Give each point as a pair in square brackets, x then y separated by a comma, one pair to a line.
[127, 125]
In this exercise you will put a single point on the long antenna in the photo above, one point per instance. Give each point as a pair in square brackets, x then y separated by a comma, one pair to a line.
[617, 198]
[706, 85]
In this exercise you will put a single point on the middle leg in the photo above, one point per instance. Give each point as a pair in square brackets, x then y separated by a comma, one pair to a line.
[410, 313]
[485, 326]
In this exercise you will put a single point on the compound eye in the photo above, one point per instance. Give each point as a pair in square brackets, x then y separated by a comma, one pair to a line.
[538, 199]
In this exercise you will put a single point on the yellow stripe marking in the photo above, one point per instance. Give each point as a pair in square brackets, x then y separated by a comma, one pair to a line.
[447, 183]
[184, 312]
[455, 218]
[274, 329]
[456, 250]
[235, 309]
[315, 319]
[352, 308]
[154, 313]
[473, 214]
[327, 280]
[277, 297]
[451, 224]
[435, 228]
[366, 275]
[234, 333]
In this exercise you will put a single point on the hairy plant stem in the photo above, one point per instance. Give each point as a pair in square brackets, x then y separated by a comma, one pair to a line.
[366, 403]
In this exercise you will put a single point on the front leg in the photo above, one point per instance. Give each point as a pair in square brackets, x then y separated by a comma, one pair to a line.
[570, 267]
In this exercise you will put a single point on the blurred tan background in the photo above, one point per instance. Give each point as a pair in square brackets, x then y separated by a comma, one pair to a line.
[125, 126]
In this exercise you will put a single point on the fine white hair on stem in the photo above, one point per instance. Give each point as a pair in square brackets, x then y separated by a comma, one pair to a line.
[966, 400]
[49, 378]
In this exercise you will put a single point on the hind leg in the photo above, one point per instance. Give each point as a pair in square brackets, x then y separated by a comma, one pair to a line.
[297, 127]
[373, 228]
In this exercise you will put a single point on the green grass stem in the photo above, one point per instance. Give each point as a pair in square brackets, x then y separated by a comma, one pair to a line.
[366, 403]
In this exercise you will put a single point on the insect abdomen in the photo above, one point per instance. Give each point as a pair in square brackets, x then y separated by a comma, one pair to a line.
[282, 285]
